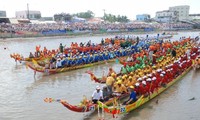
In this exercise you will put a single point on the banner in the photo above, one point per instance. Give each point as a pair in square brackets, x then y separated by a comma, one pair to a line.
[49, 32]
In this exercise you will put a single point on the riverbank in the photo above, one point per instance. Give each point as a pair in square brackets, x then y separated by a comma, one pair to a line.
[88, 34]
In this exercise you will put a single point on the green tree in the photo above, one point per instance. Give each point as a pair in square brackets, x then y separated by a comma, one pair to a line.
[87, 14]
[112, 18]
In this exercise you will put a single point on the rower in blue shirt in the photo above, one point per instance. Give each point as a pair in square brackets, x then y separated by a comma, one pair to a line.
[100, 57]
[106, 56]
[91, 59]
[96, 57]
[132, 97]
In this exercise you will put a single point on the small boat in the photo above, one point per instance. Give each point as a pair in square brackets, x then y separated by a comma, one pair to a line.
[142, 100]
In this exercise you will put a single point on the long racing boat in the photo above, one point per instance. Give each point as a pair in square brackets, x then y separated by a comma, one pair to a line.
[142, 100]
[38, 68]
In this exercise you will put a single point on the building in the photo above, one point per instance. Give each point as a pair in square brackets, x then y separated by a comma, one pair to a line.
[32, 15]
[2, 13]
[46, 19]
[166, 16]
[194, 17]
[62, 17]
[143, 17]
[183, 11]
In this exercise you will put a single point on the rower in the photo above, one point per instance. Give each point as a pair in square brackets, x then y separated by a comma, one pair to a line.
[111, 71]
[131, 81]
[97, 95]
[143, 89]
[58, 63]
[132, 97]
[31, 55]
[137, 88]
[120, 88]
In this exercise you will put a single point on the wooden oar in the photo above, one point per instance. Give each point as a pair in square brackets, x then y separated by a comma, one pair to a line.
[50, 100]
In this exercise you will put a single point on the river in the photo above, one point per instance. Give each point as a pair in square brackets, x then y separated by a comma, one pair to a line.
[22, 94]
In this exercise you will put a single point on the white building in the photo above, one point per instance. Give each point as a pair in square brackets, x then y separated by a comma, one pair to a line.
[33, 15]
[143, 17]
[2, 13]
[183, 11]
[166, 16]
[194, 16]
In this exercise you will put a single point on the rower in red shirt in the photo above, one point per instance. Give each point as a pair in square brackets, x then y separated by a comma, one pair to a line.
[144, 89]
[137, 88]
[153, 86]
[157, 74]
[162, 81]
[169, 75]
[189, 63]
[175, 68]
[149, 85]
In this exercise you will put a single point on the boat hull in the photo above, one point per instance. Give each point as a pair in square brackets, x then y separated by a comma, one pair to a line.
[90, 107]
[38, 68]
[142, 100]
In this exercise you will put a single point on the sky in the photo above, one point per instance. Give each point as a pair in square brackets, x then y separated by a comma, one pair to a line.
[130, 8]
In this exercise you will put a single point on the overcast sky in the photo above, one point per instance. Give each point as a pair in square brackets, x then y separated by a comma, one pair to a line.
[117, 7]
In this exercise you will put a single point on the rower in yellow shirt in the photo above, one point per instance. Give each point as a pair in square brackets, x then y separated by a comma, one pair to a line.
[131, 81]
[109, 83]
[124, 80]
[120, 88]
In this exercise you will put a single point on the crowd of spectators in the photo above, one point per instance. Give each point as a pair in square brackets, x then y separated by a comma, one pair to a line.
[7, 27]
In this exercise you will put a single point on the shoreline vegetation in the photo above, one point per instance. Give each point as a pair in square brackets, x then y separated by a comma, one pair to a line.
[5, 36]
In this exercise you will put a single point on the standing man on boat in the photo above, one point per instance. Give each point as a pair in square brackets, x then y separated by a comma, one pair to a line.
[37, 48]
[109, 82]
[97, 95]
[61, 48]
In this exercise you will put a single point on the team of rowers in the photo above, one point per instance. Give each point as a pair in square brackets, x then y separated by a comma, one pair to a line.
[150, 78]
[83, 49]
[67, 57]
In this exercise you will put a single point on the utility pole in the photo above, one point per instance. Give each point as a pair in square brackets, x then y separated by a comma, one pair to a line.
[27, 11]
[104, 14]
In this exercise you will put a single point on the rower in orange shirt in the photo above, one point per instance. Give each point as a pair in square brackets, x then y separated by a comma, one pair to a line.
[37, 48]
[45, 50]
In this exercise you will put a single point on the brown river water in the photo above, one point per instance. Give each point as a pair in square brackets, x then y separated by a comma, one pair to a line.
[22, 94]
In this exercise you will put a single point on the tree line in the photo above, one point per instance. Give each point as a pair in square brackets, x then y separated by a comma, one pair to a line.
[89, 14]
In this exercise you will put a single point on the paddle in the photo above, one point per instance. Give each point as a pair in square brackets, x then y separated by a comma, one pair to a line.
[50, 100]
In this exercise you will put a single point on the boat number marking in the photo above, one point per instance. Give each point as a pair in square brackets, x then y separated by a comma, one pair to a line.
[123, 109]
[92, 108]
[46, 71]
